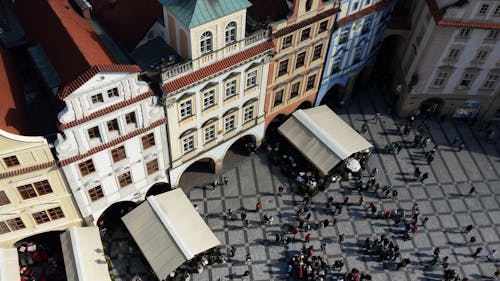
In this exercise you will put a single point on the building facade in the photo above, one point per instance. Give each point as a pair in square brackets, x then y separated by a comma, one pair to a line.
[217, 95]
[450, 66]
[112, 145]
[300, 38]
[353, 46]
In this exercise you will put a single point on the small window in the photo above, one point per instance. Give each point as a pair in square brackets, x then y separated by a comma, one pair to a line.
[311, 81]
[466, 80]
[344, 35]
[4, 200]
[209, 99]
[186, 109]
[278, 98]
[86, 167]
[323, 26]
[152, 166]
[336, 64]
[496, 12]
[4, 228]
[113, 93]
[188, 144]
[55, 213]
[483, 10]
[493, 35]
[230, 89]
[317, 52]
[112, 125]
[97, 98]
[248, 114]
[295, 90]
[251, 79]
[491, 81]
[229, 124]
[95, 193]
[209, 133]
[206, 43]
[306, 34]
[130, 118]
[42, 187]
[27, 191]
[453, 54]
[41, 217]
[15, 224]
[308, 5]
[230, 33]
[148, 141]
[464, 33]
[125, 179]
[481, 55]
[440, 79]
[301, 59]
[366, 26]
[94, 133]
[118, 154]
[287, 42]
[355, 6]
[283, 67]
[11, 161]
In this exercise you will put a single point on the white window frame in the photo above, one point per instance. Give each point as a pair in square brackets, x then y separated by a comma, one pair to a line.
[229, 123]
[483, 9]
[481, 55]
[454, 54]
[209, 133]
[491, 81]
[208, 99]
[186, 109]
[344, 33]
[285, 44]
[206, 42]
[188, 144]
[493, 34]
[230, 89]
[251, 80]
[464, 33]
[248, 114]
[440, 79]
[469, 77]
[230, 33]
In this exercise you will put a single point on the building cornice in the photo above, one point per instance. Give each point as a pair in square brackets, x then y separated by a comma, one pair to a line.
[306, 22]
[437, 14]
[27, 169]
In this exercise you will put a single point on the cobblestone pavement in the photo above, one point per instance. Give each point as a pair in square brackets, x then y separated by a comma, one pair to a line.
[440, 198]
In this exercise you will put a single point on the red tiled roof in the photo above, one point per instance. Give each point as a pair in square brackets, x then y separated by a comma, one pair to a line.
[366, 11]
[68, 39]
[127, 22]
[113, 143]
[11, 96]
[106, 110]
[91, 72]
[27, 169]
[214, 68]
[304, 23]
[437, 14]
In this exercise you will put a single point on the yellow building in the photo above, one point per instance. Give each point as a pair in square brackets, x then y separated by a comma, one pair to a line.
[34, 197]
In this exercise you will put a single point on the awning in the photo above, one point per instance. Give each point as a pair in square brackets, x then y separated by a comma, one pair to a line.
[9, 265]
[169, 231]
[322, 137]
[83, 254]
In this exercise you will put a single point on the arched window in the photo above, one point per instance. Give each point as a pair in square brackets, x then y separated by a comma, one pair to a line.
[308, 5]
[206, 42]
[230, 33]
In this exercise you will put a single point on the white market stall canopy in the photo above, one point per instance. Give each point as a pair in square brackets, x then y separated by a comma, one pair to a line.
[9, 264]
[322, 137]
[83, 254]
[169, 231]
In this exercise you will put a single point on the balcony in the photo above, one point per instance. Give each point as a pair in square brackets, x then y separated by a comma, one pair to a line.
[214, 56]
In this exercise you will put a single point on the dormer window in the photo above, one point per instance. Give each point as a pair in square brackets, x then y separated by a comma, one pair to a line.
[97, 98]
[230, 33]
[206, 43]
[113, 93]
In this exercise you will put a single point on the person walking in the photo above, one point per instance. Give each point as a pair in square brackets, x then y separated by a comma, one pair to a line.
[243, 215]
[468, 228]
[361, 200]
[280, 190]
[226, 180]
[364, 128]
[232, 251]
[417, 173]
[341, 239]
[491, 254]
[461, 146]
[258, 206]
[424, 221]
[424, 177]
[472, 239]
[477, 252]
[374, 172]
[471, 191]
[307, 238]
[248, 258]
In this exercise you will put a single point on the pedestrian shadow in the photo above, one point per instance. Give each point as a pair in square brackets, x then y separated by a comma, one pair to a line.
[455, 195]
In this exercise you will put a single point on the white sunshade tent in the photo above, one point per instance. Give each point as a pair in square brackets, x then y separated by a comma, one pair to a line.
[83, 254]
[322, 137]
[9, 264]
[169, 231]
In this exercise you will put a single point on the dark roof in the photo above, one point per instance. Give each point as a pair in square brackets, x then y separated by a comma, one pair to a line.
[12, 118]
[268, 11]
[68, 40]
[154, 53]
[127, 21]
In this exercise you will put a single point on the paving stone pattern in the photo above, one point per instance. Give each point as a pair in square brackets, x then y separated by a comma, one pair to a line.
[440, 198]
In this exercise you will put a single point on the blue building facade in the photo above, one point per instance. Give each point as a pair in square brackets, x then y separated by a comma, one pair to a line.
[353, 45]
